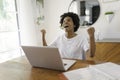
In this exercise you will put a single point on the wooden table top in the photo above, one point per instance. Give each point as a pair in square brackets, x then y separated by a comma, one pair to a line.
[20, 69]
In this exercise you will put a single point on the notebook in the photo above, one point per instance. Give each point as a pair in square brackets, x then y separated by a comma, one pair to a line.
[46, 57]
[103, 71]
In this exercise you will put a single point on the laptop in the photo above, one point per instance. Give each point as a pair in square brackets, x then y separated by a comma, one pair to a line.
[47, 57]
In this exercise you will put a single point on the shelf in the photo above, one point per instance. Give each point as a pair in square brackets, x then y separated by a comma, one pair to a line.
[108, 40]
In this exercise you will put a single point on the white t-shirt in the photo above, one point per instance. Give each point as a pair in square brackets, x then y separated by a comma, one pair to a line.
[71, 48]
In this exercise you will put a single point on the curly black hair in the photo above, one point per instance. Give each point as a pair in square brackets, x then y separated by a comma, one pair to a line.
[74, 17]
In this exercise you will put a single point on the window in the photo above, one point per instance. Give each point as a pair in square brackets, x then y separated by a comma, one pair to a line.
[9, 30]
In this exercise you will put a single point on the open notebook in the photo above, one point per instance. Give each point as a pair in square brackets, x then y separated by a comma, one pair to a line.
[46, 57]
[104, 71]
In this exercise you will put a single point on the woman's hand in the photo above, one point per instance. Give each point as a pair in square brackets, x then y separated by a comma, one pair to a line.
[91, 31]
[43, 31]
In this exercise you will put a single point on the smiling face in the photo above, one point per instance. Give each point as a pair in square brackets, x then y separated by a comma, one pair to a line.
[69, 23]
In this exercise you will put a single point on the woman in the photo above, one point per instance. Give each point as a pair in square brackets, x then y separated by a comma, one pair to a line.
[71, 44]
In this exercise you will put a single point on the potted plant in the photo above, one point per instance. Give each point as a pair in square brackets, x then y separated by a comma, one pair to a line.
[109, 13]
[109, 16]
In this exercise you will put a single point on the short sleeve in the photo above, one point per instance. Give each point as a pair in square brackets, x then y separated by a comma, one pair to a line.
[85, 44]
[54, 43]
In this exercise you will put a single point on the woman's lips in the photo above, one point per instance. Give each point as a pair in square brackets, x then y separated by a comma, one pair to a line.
[65, 26]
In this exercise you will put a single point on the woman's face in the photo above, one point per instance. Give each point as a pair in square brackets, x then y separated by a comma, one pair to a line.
[68, 24]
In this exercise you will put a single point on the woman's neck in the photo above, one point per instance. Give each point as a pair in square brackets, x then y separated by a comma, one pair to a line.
[70, 34]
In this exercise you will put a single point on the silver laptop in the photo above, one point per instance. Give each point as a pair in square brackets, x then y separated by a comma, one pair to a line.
[46, 57]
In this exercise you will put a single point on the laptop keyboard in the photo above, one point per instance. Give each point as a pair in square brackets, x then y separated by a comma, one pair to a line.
[65, 64]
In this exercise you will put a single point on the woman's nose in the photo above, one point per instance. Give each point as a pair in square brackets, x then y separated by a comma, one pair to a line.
[65, 22]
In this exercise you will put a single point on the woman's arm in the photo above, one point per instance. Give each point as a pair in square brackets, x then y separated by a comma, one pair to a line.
[92, 49]
[43, 37]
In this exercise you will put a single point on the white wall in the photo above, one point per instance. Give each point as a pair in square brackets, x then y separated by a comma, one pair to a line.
[54, 8]
[109, 29]
[27, 22]
[30, 32]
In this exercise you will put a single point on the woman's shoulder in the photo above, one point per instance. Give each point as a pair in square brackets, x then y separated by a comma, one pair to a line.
[82, 36]
[60, 36]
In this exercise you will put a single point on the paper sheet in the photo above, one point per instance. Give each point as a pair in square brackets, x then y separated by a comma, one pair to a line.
[105, 71]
